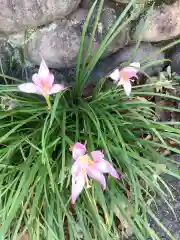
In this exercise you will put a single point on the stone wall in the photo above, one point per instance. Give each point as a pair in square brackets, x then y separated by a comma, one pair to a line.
[51, 29]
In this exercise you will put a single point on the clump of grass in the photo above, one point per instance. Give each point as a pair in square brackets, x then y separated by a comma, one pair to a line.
[35, 161]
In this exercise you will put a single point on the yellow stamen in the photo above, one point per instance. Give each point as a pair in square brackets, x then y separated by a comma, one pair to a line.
[86, 159]
[123, 74]
[86, 178]
[124, 77]
[45, 87]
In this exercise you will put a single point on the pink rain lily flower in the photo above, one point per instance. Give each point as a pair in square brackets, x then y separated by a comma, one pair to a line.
[93, 165]
[78, 150]
[123, 77]
[43, 83]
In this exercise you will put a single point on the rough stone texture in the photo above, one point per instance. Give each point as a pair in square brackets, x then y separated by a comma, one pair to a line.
[144, 53]
[109, 3]
[59, 45]
[163, 24]
[162, 114]
[16, 15]
[174, 55]
[86, 3]
[165, 215]
[5, 54]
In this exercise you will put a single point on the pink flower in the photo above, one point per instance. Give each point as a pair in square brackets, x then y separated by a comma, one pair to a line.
[93, 166]
[42, 83]
[78, 150]
[123, 77]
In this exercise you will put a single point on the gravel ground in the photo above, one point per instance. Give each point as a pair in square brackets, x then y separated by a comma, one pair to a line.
[165, 215]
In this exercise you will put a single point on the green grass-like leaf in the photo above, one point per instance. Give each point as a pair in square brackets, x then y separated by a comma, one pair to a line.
[35, 167]
[35, 161]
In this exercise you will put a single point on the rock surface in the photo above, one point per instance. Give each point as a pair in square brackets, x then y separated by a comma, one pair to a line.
[165, 215]
[107, 64]
[162, 114]
[163, 24]
[59, 44]
[17, 15]
[5, 56]
[86, 4]
[174, 55]
[144, 54]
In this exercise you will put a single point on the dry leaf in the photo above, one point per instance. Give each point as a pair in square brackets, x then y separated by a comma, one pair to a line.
[23, 236]
[125, 226]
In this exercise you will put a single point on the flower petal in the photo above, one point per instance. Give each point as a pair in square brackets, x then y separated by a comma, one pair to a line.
[122, 81]
[131, 74]
[105, 167]
[127, 73]
[97, 175]
[78, 182]
[57, 88]
[127, 87]
[37, 80]
[115, 75]
[97, 156]
[78, 150]
[49, 80]
[79, 145]
[76, 168]
[29, 88]
[77, 153]
[136, 65]
[43, 70]
[133, 67]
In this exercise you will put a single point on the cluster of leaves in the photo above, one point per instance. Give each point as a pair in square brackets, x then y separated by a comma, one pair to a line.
[163, 81]
[35, 161]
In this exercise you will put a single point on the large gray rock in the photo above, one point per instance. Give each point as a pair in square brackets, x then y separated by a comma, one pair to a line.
[114, 4]
[174, 55]
[59, 44]
[16, 15]
[144, 54]
[165, 214]
[58, 47]
[5, 56]
[162, 24]
[86, 3]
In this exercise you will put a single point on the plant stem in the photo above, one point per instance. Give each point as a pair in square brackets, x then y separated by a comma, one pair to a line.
[48, 102]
